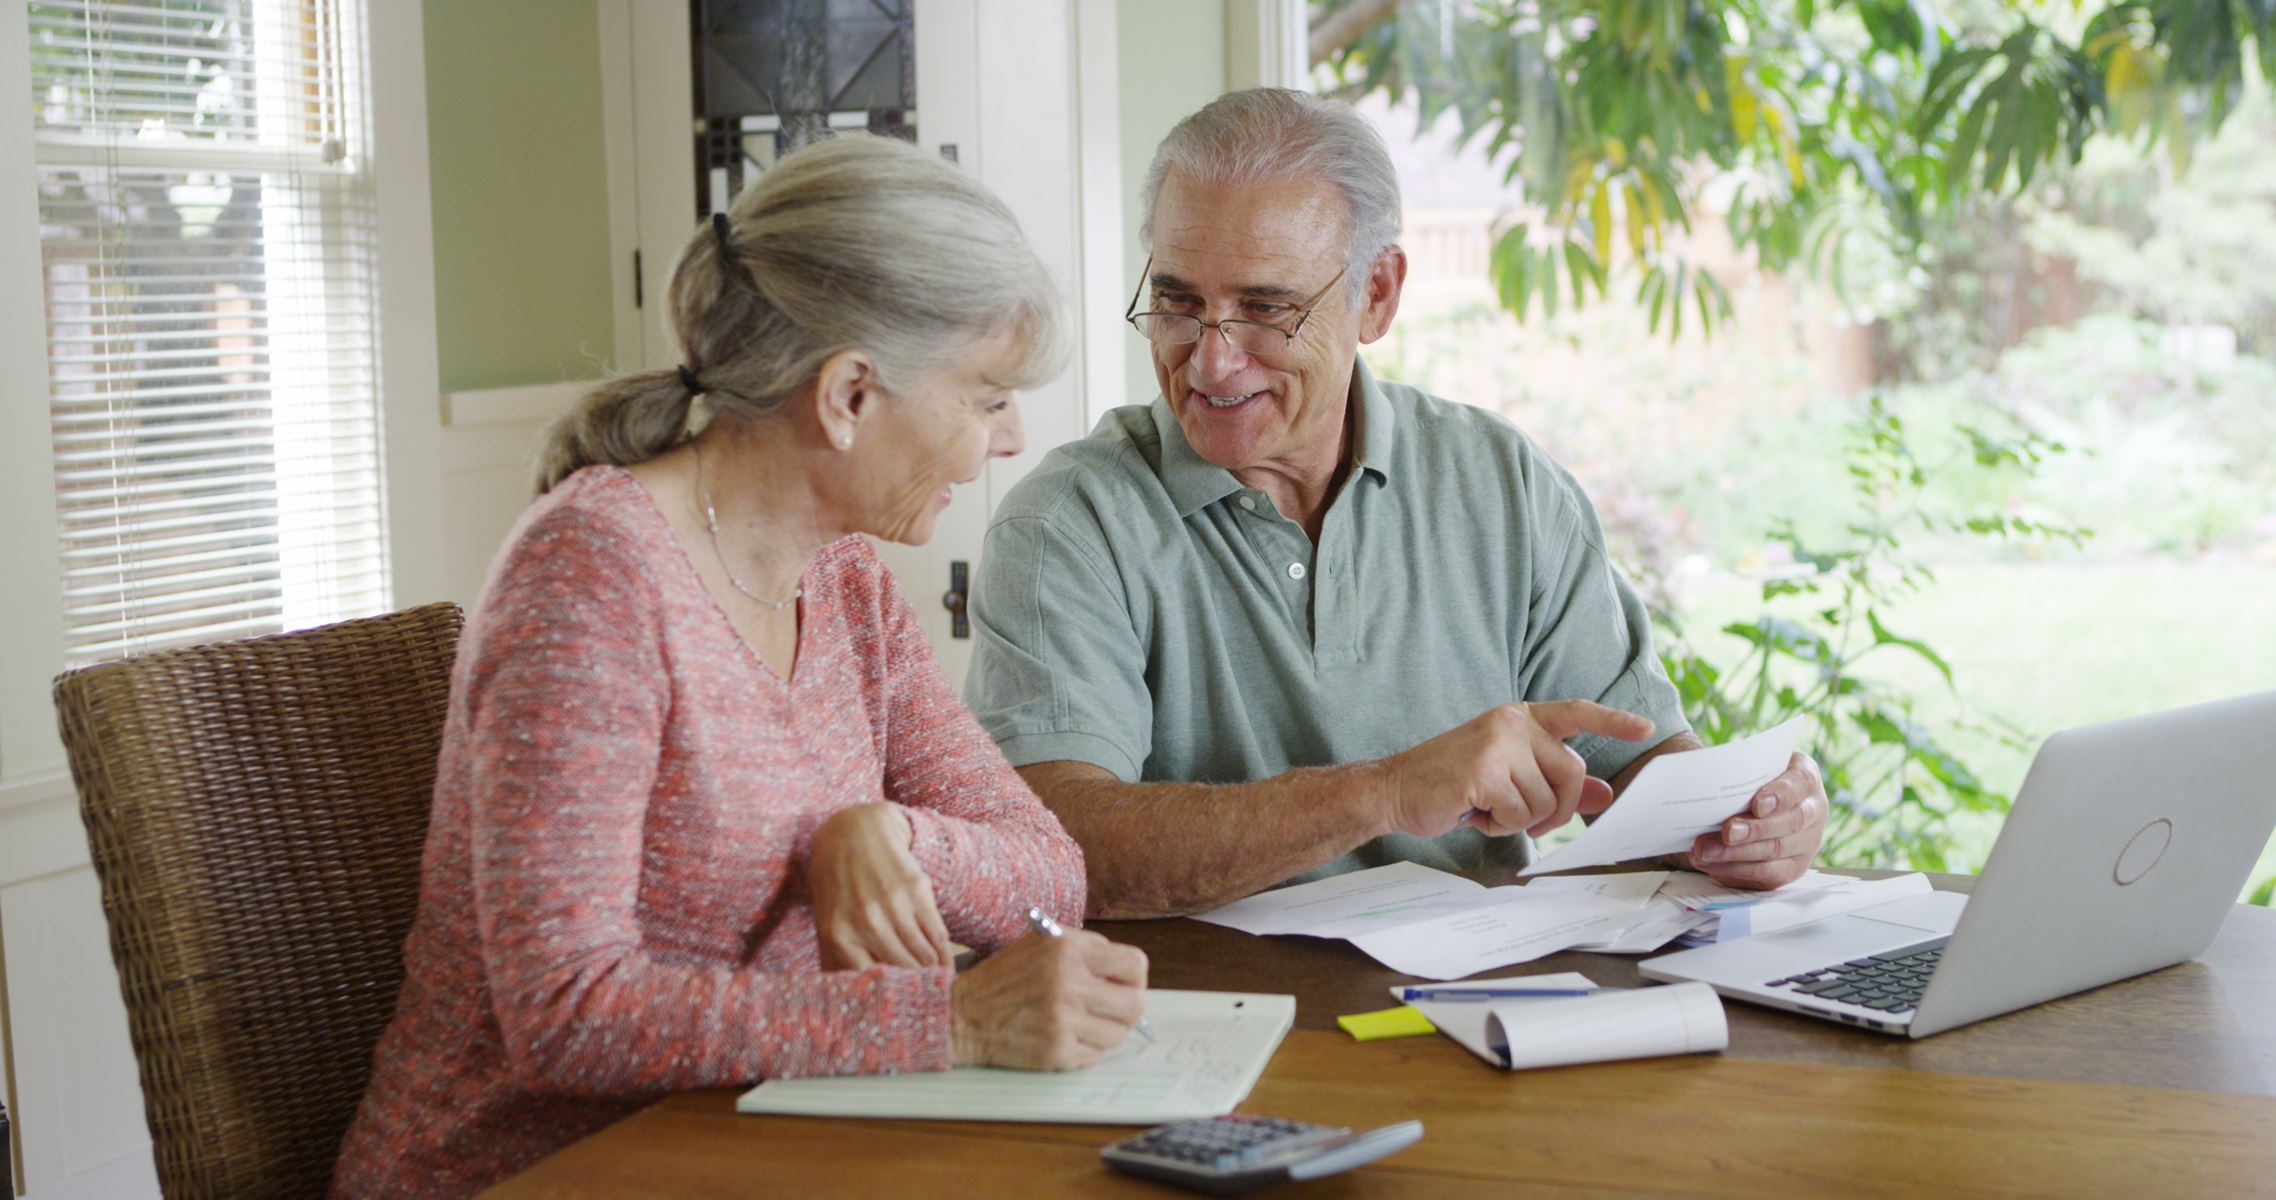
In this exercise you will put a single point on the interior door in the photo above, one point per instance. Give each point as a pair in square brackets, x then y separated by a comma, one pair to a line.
[1018, 92]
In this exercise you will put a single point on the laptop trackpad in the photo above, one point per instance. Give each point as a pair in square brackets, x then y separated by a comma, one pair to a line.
[1873, 930]
[1931, 912]
[1837, 937]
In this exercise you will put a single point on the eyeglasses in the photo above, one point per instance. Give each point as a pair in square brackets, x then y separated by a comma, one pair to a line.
[1248, 337]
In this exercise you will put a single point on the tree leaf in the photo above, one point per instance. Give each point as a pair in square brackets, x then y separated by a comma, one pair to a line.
[1578, 271]
[1882, 637]
[1600, 219]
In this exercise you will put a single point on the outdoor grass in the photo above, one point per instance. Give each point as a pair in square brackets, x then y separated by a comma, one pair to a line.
[2047, 646]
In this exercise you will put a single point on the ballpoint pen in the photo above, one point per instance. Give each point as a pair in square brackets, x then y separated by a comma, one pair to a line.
[1443, 994]
[1041, 922]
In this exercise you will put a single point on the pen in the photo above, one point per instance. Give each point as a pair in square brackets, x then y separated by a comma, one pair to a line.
[1041, 922]
[1424, 993]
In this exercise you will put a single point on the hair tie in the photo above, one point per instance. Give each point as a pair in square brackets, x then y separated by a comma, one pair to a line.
[688, 381]
[734, 265]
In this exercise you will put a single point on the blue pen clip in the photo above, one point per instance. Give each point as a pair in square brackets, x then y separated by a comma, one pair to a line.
[1458, 994]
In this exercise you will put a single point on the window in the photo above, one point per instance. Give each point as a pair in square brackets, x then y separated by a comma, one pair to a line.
[774, 75]
[207, 231]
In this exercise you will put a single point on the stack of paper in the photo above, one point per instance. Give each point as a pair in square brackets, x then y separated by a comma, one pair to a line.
[1520, 1032]
[1722, 913]
[1428, 923]
[1434, 925]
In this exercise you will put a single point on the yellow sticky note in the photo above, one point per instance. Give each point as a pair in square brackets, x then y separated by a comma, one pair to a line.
[1403, 1021]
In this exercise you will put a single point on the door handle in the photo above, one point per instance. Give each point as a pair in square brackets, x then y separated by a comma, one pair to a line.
[959, 622]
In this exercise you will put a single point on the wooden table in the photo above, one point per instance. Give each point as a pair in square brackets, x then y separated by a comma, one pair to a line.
[2163, 1085]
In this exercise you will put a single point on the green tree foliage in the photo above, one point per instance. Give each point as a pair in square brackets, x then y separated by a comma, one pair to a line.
[1813, 650]
[1825, 120]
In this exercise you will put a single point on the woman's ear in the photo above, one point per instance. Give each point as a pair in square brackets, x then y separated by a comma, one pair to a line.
[843, 392]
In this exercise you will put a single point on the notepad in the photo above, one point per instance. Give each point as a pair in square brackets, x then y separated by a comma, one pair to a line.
[1208, 1050]
[1523, 1033]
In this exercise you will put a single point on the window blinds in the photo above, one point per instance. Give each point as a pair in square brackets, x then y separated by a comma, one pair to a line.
[206, 226]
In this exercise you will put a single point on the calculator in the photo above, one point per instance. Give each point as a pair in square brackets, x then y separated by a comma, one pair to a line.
[1240, 1152]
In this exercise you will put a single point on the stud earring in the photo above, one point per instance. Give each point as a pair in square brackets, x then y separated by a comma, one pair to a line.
[845, 441]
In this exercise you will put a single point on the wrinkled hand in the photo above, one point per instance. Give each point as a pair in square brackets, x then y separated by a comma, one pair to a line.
[1773, 842]
[1506, 770]
[872, 902]
[1047, 1003]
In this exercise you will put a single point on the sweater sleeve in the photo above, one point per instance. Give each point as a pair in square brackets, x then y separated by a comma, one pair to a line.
[989, 845]
[566, 705]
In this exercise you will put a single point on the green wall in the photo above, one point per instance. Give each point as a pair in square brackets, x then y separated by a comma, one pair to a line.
[1169, 61]
[520, 191]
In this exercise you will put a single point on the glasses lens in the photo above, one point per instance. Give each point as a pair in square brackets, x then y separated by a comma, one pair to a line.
[1169, 329]
[1255, 338]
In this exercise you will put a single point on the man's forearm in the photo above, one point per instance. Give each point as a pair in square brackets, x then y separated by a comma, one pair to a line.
[1167, 849]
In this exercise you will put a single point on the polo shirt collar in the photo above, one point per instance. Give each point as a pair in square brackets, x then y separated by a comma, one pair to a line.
[1376, 424]
[1195, 483]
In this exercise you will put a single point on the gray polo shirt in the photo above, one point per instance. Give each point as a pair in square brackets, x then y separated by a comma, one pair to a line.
[1140, 609]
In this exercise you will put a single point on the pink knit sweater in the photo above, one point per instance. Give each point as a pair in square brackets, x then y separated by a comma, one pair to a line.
[614, 904]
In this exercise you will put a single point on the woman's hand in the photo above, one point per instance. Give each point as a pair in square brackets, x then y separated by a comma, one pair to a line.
[872, 902]
[1047, 1003]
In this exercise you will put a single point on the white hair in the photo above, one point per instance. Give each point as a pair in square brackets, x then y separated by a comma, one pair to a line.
[1261, 134]
[856, 242]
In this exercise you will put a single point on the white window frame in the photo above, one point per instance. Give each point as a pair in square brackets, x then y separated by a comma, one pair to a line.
[43, 848]
[39, 833]
[1267, 44]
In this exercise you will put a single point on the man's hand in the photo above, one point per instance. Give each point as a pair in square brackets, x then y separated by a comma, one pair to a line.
[1505, 771]
[872, 902]
[1773, 842]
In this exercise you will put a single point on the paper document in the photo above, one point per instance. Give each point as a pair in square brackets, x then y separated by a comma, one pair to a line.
[1661, 921]
[1357, 902]
[1677, 797]
[1521, 1033]
[1428, 923]
[1208, 1049]
[1519, 929]
[1701, 894]
[1771, 916]
[1632, 888]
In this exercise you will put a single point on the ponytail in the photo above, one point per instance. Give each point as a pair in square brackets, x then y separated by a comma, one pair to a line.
[627, 420]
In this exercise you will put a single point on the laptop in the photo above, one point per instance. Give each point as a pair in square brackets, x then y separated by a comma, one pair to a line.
[2124, 850]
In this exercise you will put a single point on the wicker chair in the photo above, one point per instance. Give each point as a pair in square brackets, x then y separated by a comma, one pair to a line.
[256, 812]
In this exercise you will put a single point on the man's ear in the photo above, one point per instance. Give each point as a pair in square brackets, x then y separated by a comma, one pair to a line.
[1386, 278]
[843, 392]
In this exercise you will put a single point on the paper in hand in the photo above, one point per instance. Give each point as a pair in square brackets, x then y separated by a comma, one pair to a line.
[1677, 797]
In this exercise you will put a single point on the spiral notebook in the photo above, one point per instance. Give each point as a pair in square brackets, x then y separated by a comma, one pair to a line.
[1208, 1050]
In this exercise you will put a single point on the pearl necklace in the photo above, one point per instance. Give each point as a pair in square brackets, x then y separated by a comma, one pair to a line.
[711, 523]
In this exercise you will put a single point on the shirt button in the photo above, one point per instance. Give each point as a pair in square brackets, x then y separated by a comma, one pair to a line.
[1249, 502]
[1296, 570]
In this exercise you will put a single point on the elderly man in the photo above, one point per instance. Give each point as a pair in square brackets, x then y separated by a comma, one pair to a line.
[1291, 620]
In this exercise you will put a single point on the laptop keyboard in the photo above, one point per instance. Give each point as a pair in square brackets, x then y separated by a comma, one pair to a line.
[1891, 983]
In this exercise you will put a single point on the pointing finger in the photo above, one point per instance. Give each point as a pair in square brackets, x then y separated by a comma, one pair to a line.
[1565, 718]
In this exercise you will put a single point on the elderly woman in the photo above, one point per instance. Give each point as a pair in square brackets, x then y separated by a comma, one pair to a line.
[708, 810]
